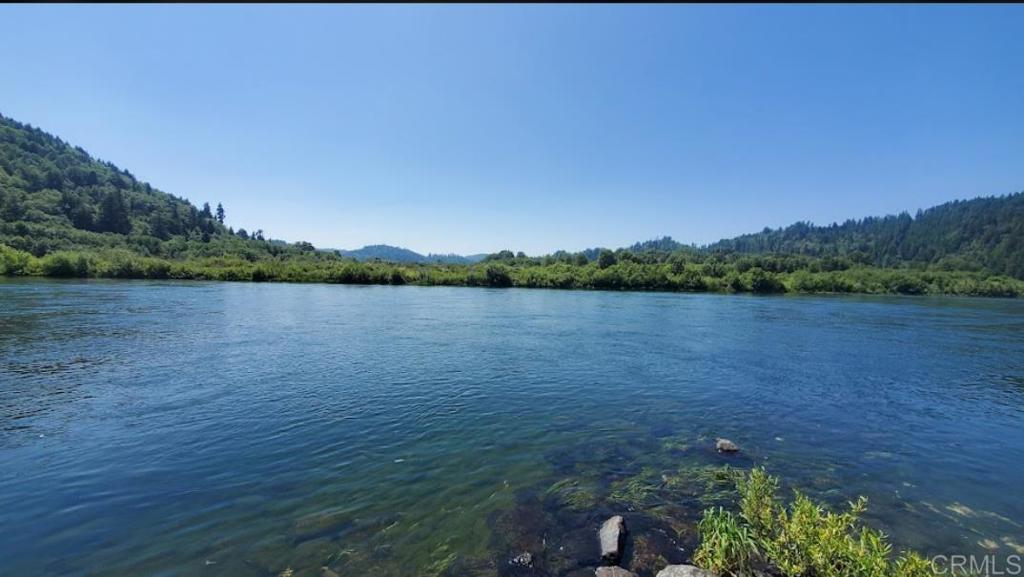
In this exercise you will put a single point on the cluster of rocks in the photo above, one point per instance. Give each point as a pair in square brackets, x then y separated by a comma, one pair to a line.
[613, 539]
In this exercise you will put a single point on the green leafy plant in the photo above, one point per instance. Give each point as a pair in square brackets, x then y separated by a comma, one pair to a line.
[803, 539]
[910, 564]
[759, 503]
[727, 545]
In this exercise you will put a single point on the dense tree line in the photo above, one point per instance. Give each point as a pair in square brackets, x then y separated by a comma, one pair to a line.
[738, 275]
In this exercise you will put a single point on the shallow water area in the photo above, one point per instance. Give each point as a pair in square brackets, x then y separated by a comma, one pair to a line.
[162, 428]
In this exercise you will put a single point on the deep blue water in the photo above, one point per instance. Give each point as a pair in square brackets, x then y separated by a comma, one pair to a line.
[159, 428]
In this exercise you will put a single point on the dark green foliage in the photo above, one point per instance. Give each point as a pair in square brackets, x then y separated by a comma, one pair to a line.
[114, 215]
[762, 281]
[65, 264]
[497, 275]
[605, 259]
[663, 244]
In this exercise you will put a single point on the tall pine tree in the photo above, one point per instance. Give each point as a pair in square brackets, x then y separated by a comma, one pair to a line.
[114, 213]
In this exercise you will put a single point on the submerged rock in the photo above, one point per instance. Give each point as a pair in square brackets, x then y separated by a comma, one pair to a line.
[613, 536]
[650, 548]
[684, 571]
[326, 572]
[613, 572]
[517, 532]
[725, 446]
[522, 560]
[572, 550]
[467, 567]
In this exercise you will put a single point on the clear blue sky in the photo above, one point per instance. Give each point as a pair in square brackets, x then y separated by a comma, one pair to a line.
[472, 129]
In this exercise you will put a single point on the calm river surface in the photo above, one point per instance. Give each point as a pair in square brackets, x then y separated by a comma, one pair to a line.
[161, 428]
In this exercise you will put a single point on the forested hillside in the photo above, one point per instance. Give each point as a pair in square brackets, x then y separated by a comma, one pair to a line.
[979, 234]
[52, 195]
[57, 197]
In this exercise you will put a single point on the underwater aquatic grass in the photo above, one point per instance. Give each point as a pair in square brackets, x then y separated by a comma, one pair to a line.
[680, 444]
[575, 494]
[713, 484]
[636, 491]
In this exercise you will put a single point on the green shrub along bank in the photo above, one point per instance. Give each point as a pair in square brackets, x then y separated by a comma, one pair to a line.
[803, 539]
[709, 276]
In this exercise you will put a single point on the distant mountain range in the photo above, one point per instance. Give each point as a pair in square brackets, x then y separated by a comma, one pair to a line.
[386, 252]
[390, 253]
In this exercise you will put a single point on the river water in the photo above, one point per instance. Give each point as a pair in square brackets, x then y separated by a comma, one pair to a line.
[165, 429]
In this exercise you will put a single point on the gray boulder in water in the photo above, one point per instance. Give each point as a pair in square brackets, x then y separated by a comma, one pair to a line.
[613, 572]
[684, 571]
[613, 536]
[725, 446]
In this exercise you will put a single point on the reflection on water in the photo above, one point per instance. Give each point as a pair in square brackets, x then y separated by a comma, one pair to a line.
[238, 429]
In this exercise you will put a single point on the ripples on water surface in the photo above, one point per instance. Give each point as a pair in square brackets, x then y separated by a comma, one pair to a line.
[236, 429]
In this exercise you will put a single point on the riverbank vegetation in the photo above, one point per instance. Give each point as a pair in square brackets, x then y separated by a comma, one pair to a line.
[681, 272]
[64, 213]
[804, 538]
